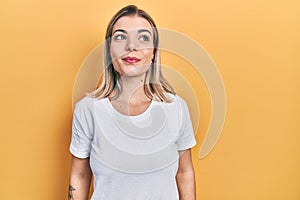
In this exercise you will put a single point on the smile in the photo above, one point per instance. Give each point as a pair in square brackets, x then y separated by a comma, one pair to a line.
[131, 60]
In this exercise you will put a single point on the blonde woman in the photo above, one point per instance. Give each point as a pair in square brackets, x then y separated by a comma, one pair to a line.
[133, 134]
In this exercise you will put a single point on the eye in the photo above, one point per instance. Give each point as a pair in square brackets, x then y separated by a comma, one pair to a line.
[144, 38]
[120, 37]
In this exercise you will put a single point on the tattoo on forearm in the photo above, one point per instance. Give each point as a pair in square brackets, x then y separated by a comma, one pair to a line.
[71, 189]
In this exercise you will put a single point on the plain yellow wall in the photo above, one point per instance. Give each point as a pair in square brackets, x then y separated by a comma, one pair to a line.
[255, 45]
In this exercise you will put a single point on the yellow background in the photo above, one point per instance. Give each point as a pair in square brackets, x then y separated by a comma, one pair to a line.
[255, 45]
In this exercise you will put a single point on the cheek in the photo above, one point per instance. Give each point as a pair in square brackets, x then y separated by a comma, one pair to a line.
[116, 50]
[148, 55]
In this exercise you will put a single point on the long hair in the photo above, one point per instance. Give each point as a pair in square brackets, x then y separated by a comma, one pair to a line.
[156, 86]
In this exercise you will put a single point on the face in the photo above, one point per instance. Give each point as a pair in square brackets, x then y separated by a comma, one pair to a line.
[131, 47]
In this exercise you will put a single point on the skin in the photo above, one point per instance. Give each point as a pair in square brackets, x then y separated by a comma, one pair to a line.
[80, 179]
[185, 177]
[132, 36]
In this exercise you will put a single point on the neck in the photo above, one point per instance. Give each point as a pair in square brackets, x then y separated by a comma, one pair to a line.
[132, 89]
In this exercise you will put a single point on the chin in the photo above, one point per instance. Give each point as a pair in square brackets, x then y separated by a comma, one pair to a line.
[134, 74]
[137, 71]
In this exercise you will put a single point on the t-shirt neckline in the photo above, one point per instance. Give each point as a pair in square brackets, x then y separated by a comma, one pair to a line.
[141, 115]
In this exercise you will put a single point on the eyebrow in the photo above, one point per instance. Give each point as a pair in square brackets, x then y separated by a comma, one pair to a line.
[139, 31]
[121, 30]
[144, 30]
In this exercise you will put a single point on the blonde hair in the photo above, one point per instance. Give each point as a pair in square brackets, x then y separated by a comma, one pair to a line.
[156, 86]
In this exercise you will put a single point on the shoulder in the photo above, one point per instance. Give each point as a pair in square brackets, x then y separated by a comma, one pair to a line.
[88, 105]
[85, 101]
[177, 99]
[178, 104]
[85, 105]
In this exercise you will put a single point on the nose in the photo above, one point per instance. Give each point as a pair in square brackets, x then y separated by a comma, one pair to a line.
[131, 46]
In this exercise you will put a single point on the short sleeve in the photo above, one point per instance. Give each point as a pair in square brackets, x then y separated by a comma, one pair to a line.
[186, 137]
[82, 131]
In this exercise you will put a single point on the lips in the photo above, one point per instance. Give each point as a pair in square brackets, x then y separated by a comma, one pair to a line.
[131, 60]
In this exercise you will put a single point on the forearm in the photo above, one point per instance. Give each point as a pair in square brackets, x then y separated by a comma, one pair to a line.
[186, 185]
[80, 180]
[79, 187]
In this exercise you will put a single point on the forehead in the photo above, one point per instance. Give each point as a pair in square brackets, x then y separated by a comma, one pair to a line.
[130, 23]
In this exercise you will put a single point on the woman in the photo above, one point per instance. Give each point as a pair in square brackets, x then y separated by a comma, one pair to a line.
[133, 133]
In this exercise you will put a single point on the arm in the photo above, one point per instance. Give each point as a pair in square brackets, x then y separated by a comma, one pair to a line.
[80, 179]
[185, 177]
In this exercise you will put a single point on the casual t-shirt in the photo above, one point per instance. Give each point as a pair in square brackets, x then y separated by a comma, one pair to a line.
[132, 157]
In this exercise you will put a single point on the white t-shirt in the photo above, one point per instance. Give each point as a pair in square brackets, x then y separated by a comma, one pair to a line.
[132, 157]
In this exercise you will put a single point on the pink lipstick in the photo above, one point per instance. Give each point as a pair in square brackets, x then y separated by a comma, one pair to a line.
[131, 60]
